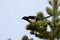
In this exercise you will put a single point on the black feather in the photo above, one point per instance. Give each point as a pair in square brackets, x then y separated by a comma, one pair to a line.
[33, 18]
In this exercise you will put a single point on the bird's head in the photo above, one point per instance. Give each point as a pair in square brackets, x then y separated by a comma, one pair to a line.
[24, 17]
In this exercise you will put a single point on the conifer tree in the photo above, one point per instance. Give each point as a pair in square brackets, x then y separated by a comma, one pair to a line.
[39, 28]
[9, 39]
[26, 38]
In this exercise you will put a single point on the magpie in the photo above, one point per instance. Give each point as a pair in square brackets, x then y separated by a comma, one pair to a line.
[33, 18]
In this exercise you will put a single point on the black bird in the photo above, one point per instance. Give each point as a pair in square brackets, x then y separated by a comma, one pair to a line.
[32, 18]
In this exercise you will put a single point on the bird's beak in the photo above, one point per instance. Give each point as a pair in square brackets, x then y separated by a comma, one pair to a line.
[21, 18]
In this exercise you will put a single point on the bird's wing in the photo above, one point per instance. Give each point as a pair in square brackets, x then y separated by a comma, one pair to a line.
[32, 17]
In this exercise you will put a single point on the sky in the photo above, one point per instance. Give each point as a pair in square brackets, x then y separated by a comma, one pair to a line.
[11, 12]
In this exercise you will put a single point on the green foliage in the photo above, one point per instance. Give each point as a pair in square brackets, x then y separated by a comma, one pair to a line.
[39, 28]
[58, 13]
[49, 11]
[9, 39]
[50, 2]
[58, 3]
[26, 38]
[40, 15]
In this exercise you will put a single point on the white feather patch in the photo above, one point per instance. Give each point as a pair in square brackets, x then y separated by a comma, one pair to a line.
[32, 20]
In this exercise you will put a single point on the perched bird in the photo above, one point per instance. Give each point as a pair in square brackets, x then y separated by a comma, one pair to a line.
[32, 18]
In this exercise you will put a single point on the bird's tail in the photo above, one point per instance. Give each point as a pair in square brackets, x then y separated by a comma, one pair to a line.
[47, 16]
